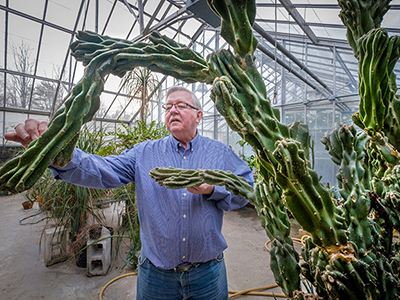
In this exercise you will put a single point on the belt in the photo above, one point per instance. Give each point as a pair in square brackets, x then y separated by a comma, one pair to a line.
[186, 267]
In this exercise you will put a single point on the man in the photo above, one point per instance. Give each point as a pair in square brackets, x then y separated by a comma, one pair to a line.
[182, 243]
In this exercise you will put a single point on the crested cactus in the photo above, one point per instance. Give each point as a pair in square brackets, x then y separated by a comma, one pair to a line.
[351, 253]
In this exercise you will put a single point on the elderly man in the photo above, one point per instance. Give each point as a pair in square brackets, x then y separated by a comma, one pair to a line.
[182, 243]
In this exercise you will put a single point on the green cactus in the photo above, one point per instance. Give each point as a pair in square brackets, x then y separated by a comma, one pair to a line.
[360, 16]
[175, 178]
[378, 54]
[351, 253]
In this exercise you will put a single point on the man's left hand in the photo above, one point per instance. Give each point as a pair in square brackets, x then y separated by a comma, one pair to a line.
[205, 188]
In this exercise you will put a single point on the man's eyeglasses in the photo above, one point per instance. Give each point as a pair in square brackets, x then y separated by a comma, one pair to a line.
[179, 106]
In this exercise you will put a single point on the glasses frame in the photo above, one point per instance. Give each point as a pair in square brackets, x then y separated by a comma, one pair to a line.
[164, 106]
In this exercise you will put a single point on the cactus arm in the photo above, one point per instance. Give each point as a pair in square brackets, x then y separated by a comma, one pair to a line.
[162, 55]
[284, 265]
[33, 162]
[299, 132]
[377, 52]
[360, 17]
[275, 220]
[384, 154]
[175, 178]
[392, 122]
[348, 147]
[65, 155]
[237, 21]
[246, 107]
[388, 205]
[309, 201]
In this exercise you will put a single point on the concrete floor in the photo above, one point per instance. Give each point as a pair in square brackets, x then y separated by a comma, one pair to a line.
[23, 274]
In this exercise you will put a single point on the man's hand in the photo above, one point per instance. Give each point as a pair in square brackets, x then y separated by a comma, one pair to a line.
[203, 189]
[26, 132]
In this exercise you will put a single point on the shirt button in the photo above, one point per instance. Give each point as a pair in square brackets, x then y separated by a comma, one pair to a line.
[184, 157]
[184, 239]
[184, 194]
[183, 257]
[184, 216]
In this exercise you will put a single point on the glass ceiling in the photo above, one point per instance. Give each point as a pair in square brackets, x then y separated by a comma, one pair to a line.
[303, 55]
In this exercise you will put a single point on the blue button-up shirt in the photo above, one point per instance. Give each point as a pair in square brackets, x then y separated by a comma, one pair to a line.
[176, 226]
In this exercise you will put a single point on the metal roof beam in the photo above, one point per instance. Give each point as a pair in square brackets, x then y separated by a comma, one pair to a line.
[299, 20]
[166, 22]
[271, 55]
[323, 42]
[346, 70]
[289, 55]
[157, 10]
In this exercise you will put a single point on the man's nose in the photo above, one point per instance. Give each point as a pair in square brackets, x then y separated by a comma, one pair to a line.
[174, 108]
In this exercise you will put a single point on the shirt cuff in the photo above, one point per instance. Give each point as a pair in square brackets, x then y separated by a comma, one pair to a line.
[219, 193]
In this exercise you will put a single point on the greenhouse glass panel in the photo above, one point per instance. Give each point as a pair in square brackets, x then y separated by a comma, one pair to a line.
[132, 108]
[293, 114]
[338, 33]
[106, 100]
[22, 44]
[117, 108]
[32, 7]
[18, 91]
[321, 15]
[54, 50]
[391, 19]
[63, 13]
[120, 23]
[43, 95]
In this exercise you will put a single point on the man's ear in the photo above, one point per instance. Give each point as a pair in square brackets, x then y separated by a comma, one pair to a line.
[199, 116]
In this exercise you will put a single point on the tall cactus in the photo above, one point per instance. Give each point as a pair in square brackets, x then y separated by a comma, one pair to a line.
[351, 253]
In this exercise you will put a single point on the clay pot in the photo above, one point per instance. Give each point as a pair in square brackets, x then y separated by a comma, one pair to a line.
[27, 204]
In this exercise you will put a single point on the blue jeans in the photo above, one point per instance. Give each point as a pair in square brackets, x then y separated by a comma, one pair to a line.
[206, 281]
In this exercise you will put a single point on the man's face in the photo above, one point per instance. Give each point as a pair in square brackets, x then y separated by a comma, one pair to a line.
[182, 123]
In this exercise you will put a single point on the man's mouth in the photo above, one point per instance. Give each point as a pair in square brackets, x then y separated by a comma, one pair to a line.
[174, 120]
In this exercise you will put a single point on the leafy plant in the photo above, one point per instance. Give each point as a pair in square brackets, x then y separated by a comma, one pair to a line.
[127, 136]
[141, 83]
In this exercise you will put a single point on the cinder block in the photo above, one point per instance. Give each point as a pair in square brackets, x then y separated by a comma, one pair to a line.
[55, 245]
[99, 254]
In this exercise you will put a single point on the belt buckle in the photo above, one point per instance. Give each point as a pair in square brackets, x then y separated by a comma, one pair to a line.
[183, 268]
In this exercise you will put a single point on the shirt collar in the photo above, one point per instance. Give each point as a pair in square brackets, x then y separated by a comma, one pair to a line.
[191, 145]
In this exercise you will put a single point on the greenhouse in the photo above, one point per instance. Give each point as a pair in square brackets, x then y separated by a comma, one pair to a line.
[321, 139]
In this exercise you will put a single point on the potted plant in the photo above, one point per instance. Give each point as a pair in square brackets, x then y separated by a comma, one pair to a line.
[28, 204]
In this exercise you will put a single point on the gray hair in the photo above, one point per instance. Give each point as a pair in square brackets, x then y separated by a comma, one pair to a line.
[195, 100]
